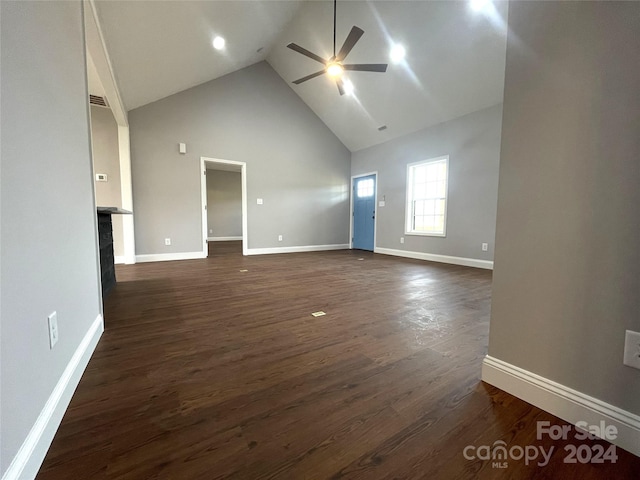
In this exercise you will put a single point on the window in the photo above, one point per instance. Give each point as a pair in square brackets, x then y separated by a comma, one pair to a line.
[364, 188]
[427, 197]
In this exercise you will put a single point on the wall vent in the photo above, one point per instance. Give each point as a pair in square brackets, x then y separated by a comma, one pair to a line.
[98, 101]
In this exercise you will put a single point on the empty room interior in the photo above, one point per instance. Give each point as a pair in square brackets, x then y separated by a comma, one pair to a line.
[313, 239]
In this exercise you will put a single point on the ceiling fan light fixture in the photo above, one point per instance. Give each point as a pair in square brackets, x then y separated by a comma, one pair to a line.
[335, 66]
[335, 70]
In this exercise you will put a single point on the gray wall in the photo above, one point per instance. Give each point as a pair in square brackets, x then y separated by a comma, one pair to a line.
[294, 162]
[49, 257]
[106, 159]
[473, 145]
[567, 268]
[224, 203]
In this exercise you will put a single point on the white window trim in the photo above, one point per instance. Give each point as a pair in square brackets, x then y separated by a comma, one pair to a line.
[407, 217]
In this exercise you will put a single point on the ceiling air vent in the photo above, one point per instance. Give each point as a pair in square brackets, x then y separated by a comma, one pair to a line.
[99, 101]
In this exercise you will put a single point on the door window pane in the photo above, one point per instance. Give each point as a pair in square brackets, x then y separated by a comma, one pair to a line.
[364, 188]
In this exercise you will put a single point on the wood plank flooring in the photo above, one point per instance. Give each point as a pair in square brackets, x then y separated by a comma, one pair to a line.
[206, 371]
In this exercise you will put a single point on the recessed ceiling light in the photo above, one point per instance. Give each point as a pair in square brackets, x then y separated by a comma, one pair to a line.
[218, 43]
[479, 5]
[348, 87]
[397, 53]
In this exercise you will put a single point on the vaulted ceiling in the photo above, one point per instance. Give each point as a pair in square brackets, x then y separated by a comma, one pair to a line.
[454, 63]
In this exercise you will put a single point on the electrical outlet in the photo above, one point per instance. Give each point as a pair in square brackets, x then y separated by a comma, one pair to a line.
[259, 201]
[279, 238]
[52, 321]
[167, 241]
[401, 239]
[632, 349]
[485, 247]
[211, 230]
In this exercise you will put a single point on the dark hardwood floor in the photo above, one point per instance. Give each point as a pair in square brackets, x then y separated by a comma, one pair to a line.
[208, 371]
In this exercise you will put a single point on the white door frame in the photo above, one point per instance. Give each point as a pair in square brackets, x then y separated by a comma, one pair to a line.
[203, 190]
[375, 206]
[96, 52]
[126, 191]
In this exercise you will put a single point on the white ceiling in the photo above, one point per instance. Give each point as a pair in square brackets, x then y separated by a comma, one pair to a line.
[454, 65]
[158, 48]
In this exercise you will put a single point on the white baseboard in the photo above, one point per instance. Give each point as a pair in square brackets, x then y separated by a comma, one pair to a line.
[119, 259]
[166, 257]
[223, 239]
[563, 402]
[306, 248]
[27, 462]
[432, 257]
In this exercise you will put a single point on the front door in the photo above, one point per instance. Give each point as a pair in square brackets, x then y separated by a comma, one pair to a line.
[364, 212]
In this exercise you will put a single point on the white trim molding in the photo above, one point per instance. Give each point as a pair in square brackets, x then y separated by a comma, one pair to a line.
[223, 239]
[167, 257]
[306, 248]
[432, 257]
[563, 402]
[242, 166]
[126, 189]
[409, 199]
[27, 462]
[119, 259]
[97, 49]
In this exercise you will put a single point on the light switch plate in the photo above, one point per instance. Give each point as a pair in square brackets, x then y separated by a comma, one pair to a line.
[259, 201]
[52, 322]
[632, 349]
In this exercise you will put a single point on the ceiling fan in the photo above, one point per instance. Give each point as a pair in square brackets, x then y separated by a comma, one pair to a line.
[334, 67]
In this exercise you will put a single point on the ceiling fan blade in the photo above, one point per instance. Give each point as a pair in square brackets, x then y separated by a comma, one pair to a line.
[352, 38]
[307, 53]
[366, 67]
[340, 86]
[308, 77]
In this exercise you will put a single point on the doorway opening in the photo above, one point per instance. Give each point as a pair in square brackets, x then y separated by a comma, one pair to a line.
[364, 194]
[111, 165]
[223, 221]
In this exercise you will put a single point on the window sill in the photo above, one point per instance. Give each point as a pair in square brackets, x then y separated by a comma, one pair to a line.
[420, 234]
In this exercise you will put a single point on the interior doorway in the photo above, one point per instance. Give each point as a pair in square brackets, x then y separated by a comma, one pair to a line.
[104, 94]
[363, 211]
[222, 227]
